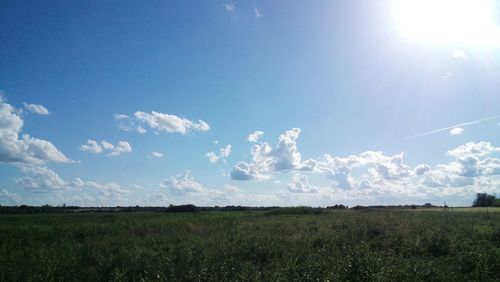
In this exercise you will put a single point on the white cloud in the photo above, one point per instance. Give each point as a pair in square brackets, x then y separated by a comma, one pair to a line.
[183, 188]
[457, 131]
[286, 157]
[212, 157]
[245, 171]
[157, 155]
[226, 151]
[182, 184]
[121, 117]
[223, 153]
[421, 169]
[121, 147]
[265, 159]
[229, 7]
[125, 123]
[372, 175]
[232, 189]
[255, 136]
[108, 189]
[378, 166]
[257, 13]
[9, 198]
[36, 109]
[43, 179]
[25, 149]
[169, 123]
[479, 149]
[113, 150]
[442, 178]
[300, 184]
[92, 147]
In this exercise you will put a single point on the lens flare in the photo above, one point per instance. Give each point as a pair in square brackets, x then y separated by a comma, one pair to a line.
[444, 22]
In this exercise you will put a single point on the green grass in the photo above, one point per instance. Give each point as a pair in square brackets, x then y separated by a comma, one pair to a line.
[252, 246]
[462, 209]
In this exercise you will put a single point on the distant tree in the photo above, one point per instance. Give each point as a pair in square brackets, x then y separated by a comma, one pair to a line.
[182, 208]
[341, 207]
[428, 205]
[484, 200]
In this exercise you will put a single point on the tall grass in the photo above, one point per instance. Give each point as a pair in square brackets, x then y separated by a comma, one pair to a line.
[251, 246]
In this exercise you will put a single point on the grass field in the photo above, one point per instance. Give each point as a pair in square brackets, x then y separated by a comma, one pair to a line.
[251, 246]
[464, 209]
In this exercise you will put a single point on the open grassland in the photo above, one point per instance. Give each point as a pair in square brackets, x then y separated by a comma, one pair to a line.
[464, 209]
[289, 245]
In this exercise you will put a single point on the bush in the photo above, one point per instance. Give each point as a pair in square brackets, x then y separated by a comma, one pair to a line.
[484, 200]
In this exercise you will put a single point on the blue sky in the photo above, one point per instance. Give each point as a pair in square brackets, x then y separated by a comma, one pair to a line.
[127, 102]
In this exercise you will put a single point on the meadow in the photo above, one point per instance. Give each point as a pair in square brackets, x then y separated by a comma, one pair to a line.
[275, 245]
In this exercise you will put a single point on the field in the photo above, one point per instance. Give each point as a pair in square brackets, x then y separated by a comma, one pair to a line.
[276, 245]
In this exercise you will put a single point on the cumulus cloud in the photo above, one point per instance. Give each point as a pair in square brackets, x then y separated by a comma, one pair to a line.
[266, 159]
[457, 131]
[125, 123]
[300, 184]
[255, 136]
[183, 188]
[470, 166]
[159, 122]
[118, 149]
[23, 149]
[223, 153]
[113, 150]
[378, 166]
[36, 109]
[372, 174]
[479, 149]
[107, 189]
[441, 177]
[43, 179]
[182, 184]
[421, 169]
[92, 147]
[245, 171]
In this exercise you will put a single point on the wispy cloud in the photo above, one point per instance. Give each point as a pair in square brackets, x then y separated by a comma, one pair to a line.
[257, 12]
[229, 7]
[157, 155]
[461, 125]
[36, 109]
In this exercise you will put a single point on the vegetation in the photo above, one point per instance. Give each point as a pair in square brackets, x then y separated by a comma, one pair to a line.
[292, 245]
[485, 200]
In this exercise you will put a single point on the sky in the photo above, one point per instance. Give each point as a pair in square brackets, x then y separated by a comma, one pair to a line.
[256, 103]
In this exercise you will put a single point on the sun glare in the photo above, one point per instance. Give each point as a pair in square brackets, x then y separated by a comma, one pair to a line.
[442, 22]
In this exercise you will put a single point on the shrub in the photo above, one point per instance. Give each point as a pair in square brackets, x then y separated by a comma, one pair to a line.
[484, 200]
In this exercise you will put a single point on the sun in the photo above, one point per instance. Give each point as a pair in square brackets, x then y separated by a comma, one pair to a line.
[448, 22]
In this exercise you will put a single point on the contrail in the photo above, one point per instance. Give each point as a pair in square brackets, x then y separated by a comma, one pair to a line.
[451, 127]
